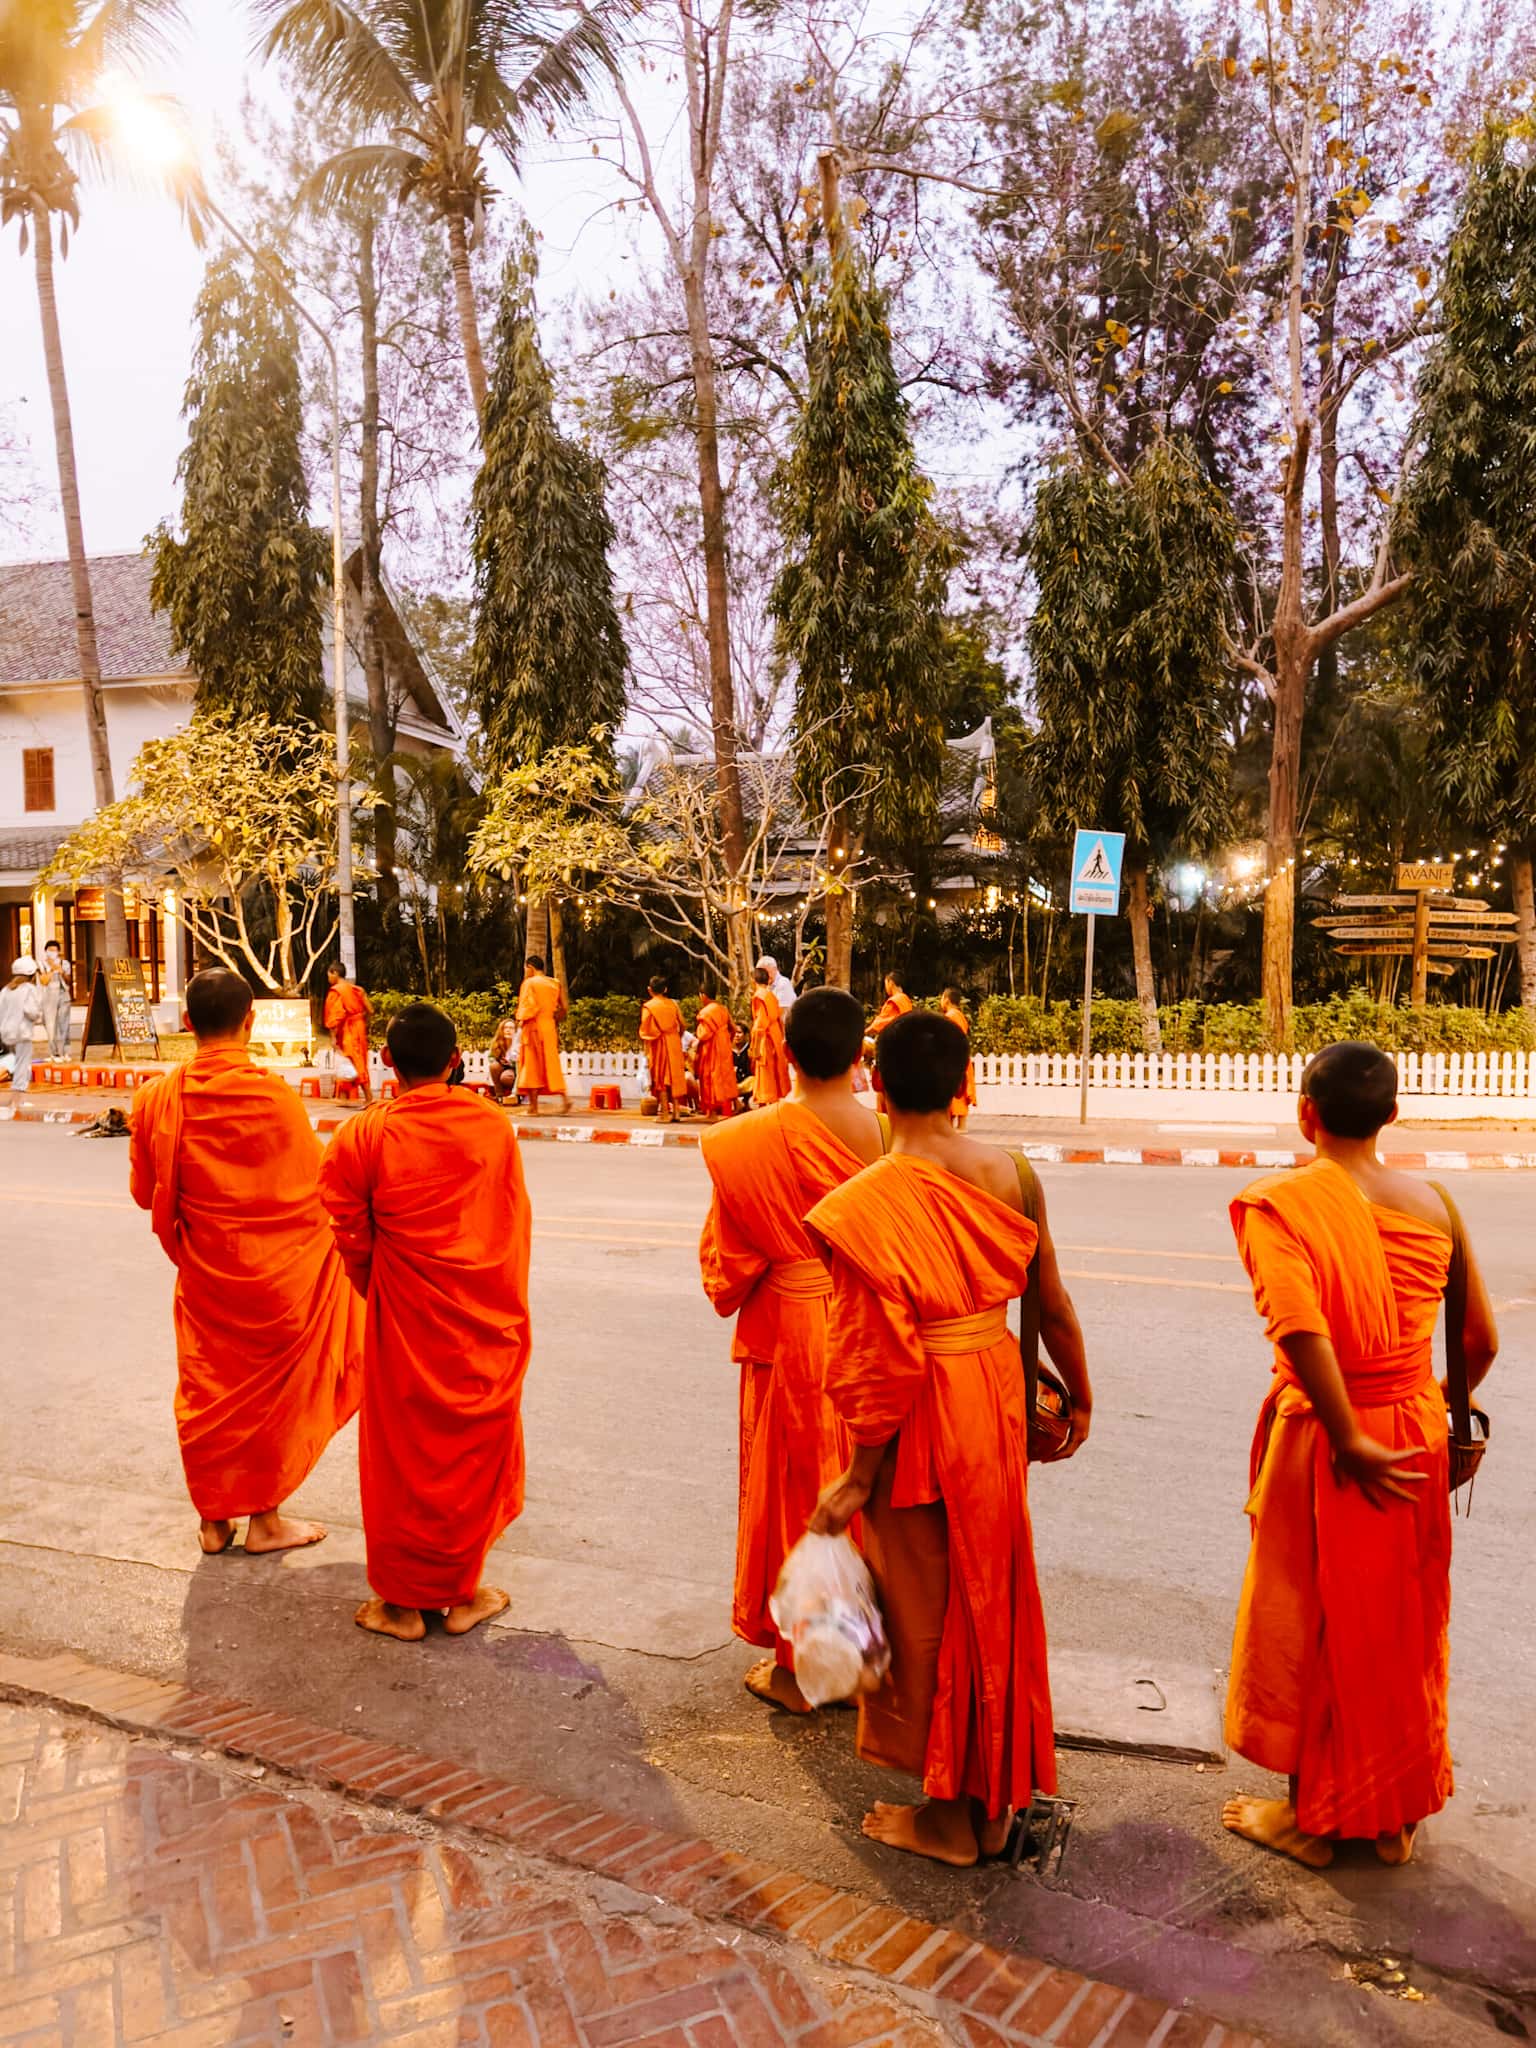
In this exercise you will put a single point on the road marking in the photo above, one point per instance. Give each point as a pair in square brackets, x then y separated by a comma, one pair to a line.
[1133, 1251]
[1158, 1280]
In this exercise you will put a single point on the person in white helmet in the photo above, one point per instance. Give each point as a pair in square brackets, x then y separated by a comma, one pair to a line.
[21, 1012]
[781, 984]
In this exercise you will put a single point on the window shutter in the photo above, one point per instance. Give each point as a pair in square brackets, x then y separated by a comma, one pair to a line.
[37, 778]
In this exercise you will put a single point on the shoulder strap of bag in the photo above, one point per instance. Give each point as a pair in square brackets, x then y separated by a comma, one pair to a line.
[1029, 1305]
[1458, 1394]
[885, 1131]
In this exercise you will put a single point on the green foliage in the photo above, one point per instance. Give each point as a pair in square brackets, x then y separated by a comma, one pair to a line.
[244, 585]
[595, 1023]
[549, 660]
[859, 603]
[1007, 1024]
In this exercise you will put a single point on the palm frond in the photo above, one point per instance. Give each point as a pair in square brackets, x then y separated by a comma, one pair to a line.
[338, 50]
[93, 140]
[564, 71]
[124, 34]
[361, 173]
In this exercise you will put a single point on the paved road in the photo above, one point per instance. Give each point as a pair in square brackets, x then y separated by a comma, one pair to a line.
[618, 1675]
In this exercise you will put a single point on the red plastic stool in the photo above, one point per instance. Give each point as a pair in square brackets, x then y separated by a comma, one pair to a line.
[606, 1095]
[309, 1084]
[388, 1088]
[348, 1091]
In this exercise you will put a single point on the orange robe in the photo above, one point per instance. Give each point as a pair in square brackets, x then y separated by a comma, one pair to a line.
[965, 1101]
[1340, 1661]
[269, 1336]
[919, 1357]
[893, 1007]
[759, 1265]
[430, 1213]
[346, 1018]
[714, 1062]
[770, 1060]
[661, 1033]
[539, 1008]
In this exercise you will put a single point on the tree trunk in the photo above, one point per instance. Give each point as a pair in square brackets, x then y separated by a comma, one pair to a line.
[538, 929]
[557, 949]
[1139, 911]
[381, 724]
[464, 301]
[839, 968]
[1280, 843]
[1524, 892]
[115, 934]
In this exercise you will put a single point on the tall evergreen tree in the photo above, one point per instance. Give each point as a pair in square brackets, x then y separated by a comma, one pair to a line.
[1468, 520]
[859, 603]
[244, 584]
[549, 661]
[1128, 667]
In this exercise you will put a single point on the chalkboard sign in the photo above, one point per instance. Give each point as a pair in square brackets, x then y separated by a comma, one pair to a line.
[283, 1029]
[119, 1013]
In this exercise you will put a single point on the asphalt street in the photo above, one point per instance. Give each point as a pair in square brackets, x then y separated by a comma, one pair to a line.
[615, 1674]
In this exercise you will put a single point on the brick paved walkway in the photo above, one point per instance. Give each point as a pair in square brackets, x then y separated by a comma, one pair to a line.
[160, 1891]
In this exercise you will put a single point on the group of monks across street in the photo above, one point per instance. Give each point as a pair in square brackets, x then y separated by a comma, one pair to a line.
[869, 1258]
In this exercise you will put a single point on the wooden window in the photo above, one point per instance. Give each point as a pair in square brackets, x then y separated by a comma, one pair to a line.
[37, 778]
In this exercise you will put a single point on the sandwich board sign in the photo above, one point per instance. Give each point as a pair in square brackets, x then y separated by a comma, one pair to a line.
[1097, 858]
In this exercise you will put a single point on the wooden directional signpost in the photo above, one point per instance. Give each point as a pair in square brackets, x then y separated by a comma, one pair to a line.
[1422, 922]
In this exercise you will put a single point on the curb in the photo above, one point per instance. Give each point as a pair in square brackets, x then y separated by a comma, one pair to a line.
[998, 2000]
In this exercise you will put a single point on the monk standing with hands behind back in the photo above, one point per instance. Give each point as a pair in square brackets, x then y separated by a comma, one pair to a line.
[661, 1033]
[269, 1336]
[430, 1214]
[347, 1010]
[540, 1008]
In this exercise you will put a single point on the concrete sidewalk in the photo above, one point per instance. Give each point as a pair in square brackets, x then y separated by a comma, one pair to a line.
[199, 1873]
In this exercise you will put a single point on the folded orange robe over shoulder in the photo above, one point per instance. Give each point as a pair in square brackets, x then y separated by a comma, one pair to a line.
[1341, 1656]
[965, 1101]
[346, 1018]
[269, 1335]
[661, 1033]
[540, 1006]
[919, 1357]
[714, 1062]
[427, 1201]
[770, 1058]
[759, 1265]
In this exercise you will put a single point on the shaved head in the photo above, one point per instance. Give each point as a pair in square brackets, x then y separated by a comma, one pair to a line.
[1353, 1088]
[218, 1003]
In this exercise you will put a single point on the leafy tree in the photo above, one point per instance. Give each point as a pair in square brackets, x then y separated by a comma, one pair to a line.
[240, 811]
[1128, 665]
[549, 661]
[1468, 520]
[244, 586]
[447, 80]
[52, 56]
[859, 603]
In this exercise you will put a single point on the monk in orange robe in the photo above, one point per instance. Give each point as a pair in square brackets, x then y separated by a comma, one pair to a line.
[897, 1003]
[965, 1101]
[714, 1063]
[428, 1207]
[347, 1010]
[926, 1250]
[661, 1033]
[269, 1338]
[1340, 1663]
[540, 1008]
[770, 1060]
[759, 1265]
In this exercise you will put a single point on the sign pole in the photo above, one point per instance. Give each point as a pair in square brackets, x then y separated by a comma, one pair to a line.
[1087, 1018]
[1420, 986]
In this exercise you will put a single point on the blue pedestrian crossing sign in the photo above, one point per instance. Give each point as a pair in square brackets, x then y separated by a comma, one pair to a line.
[1096, 862]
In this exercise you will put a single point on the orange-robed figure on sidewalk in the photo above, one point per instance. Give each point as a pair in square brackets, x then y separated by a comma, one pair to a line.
[661, 1033]
[926, 1250]
[427, 1202]
[540, 1008]
[1341, 1656]
[714, 1062]
[768, 1170]
[347, 1010]
[269, 1336]
[897, 1004]
[965, 1101]
[770, 1060]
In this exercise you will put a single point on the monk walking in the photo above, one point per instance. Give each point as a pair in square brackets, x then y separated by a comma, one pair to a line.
[926, 1249]
[540, 1010]
[427, 1203]
[1341, 1656]
[897, 1003]
[770, 1061]
[965, 1101]
[714, 1062]
[347, 1010]
[661, 1033]
[758, 1264]
[269, 1337]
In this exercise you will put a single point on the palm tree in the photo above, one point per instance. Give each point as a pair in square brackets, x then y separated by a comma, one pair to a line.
[444, 79]
[52, 56]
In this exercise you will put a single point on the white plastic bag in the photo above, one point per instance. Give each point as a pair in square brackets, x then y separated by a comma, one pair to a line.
[824, 1606]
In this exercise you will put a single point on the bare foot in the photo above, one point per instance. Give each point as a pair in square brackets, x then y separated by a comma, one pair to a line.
[1272, 1824]
[565, 1106]
[941, 1830]
[771, 1682]
[274, 1531]
[1397, 1849]
[215, 1537]
[381, 1619]
[991, 1835]
[470, 1613]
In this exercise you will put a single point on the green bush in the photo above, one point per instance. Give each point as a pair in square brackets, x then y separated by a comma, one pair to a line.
[1024, 1024]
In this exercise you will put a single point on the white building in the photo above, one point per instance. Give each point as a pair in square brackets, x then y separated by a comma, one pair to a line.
[46, 788]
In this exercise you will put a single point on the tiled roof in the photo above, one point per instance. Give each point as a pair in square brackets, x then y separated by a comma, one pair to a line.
[37, 621]
[25, 850]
